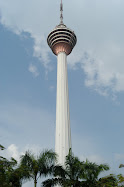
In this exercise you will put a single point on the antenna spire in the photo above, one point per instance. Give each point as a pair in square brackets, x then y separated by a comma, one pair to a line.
[61, 13]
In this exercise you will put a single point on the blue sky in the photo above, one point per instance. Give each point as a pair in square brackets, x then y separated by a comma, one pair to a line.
[95, 75]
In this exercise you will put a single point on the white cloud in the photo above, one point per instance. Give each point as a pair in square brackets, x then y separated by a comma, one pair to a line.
[19, 17]
[33, 69]
[13, 151]
[99, 29]
[41, 51]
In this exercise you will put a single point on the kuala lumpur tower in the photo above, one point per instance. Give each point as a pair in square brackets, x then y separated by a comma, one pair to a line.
[61, 41]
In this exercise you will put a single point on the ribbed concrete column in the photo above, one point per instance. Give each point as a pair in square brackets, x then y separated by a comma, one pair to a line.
[63, 131]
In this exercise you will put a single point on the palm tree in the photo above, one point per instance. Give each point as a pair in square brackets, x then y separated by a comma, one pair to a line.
[77, 173]
[92, 172]
[35, 167]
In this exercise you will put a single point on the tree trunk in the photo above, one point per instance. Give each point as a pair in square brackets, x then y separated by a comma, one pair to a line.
[35, 182]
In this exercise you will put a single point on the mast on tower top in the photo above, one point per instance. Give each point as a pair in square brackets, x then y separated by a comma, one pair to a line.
[61, 13]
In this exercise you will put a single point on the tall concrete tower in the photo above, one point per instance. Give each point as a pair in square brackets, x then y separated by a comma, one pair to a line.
[61, 41]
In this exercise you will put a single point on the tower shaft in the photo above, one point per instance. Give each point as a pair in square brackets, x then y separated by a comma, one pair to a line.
[63, 132]
[62, 40]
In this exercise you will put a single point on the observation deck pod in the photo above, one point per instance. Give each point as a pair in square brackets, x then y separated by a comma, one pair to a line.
[61, 39]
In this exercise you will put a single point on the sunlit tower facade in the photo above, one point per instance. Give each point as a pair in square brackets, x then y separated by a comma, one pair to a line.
[61, 41]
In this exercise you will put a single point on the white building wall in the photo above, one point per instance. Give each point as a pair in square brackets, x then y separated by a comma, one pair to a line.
[63, 131]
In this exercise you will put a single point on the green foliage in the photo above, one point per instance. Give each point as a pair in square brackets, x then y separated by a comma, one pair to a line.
[1, 147]
[77, 173]
[108, 181]
[35, 167]
[8, 171]
[74, 174]
[31, 167]
[120, 179]
[121, 166]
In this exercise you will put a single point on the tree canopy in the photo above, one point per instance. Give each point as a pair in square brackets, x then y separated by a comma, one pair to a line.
[75, 173]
